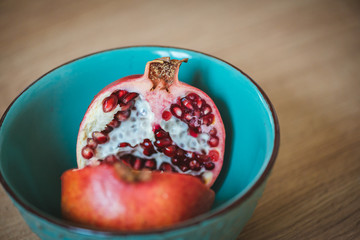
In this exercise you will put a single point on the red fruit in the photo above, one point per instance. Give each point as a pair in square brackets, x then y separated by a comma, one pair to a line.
[113, 197]
[170, 116]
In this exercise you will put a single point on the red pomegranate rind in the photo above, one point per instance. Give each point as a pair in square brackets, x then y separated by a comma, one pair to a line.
[178, 120]
[166, 198]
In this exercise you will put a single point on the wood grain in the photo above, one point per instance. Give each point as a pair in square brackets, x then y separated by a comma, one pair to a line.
[304, 54]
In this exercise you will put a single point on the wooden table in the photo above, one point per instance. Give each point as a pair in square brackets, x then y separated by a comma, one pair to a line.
[305, 55]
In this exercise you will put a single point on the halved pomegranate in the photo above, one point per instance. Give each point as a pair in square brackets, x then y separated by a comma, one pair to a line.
[154, 121]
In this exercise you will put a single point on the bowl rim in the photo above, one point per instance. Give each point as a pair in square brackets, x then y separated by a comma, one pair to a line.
[192, 222]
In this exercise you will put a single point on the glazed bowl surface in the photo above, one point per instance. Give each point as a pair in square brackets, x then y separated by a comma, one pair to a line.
[38, 135]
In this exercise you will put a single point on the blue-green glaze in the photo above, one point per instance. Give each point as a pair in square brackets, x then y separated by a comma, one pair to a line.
[39, 130]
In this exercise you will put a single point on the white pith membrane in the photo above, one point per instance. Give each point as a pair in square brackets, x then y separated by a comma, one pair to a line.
[139, 126]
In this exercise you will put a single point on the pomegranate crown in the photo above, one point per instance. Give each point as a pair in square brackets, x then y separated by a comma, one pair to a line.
[163, 72]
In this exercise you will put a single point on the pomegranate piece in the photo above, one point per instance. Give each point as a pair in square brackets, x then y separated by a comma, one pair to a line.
[156, 122]
[145, 195]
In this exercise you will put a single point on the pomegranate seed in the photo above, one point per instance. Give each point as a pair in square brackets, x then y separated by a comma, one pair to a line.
[213, 155]
[150, 164]
[197, 113]
[100, 137]
[199, 103]
[166, 167]
[138, 164]
[148, 152]
[209, 165]
[208, 119]
[192, 96]
[206, 110]
[114, 123]
[161, 134]
[127, 106]
[121, 94]
[163, 142]
[184, 167]
[147, 144]
[213, 132]
[87, 152]
[111, 159]
[202, 158]
[130, 96]
[193, 132]
[166, 115]
[186, 103]
[194, 165]
[122, 115]
[170, 151]
[124, 144]
[213, 141]
[175, 160]
[180, 152]
[110, 103]
[107, 130]
[91, 143]
[187, 116]
[176, 110]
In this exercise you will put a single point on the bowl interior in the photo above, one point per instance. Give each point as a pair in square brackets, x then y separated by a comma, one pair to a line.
[38, 133]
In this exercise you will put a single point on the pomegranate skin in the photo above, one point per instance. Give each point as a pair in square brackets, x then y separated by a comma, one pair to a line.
[103, 197]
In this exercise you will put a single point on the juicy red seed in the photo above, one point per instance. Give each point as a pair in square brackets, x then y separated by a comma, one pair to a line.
[100, 137]
[107, 130]
[180, 152]
[110, 103]
[188, 116]
[163, 142]
[91, 143]
[138, 164]
[194, 165]
[192, 96]
[130, 96]
[114, 123]
[184, 167]
[121, 94]
[175, 160]
[202, 158]
[122, 115]
[213, 132]
[170, 150]
[159, 134]
[199, 103]
[186, 103]
[111, 159]
[87, 152]
[148, 152]
[147, 144]
[166, 167]
[124, 144]
[206, 110]
[213, 141]
[150, 164]
[208, 119]
[127, 106]
[192, 132]
[166, 115]
[214, 155]
[176, 110]
[209, 165]
[197, 113]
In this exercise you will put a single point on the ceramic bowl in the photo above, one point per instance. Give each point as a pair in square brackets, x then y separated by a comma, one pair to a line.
[38, 137]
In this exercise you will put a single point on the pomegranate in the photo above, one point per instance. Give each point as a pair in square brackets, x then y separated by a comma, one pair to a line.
[154, 121]
[107, 197]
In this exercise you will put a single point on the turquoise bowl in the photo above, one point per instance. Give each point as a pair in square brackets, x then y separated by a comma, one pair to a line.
[38, 137]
